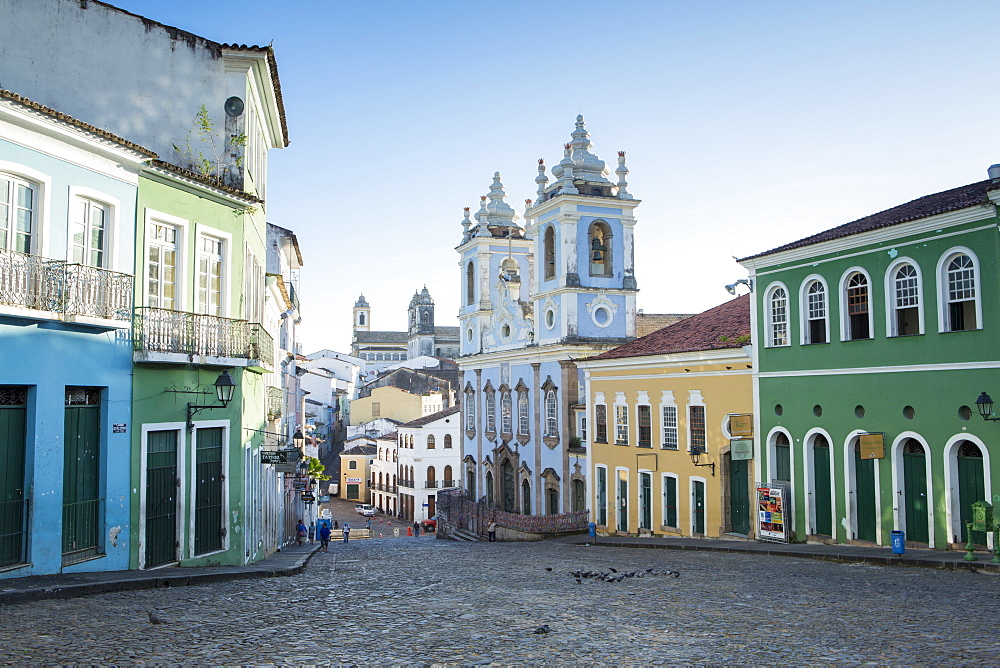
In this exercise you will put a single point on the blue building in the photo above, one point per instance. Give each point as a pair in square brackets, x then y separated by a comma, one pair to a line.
[534, 299]
[67, 231]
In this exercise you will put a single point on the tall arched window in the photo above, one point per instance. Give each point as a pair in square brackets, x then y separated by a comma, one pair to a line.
[961, 296]
[525, 497]
[550, 252]
[551, 414]
[599, 249]
[447, 440]
[522, 413]
[904, 301]
[361, 318]
[430, 442]
[470, 283]
[506, 417]
[470, 411]
[777, 317]
[815, 309]
[858, 303]
[18, 213]
[491, 412]
[448, 482]
[431, 477]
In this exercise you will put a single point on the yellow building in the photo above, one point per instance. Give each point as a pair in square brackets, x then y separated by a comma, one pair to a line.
[400, 405]
[355, 467]
[659, 412]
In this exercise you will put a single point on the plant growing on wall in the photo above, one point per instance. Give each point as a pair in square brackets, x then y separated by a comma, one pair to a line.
[316, 469]
[202, 153]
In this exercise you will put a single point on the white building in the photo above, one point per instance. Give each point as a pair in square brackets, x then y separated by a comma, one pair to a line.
[429, 459]
[383, 481]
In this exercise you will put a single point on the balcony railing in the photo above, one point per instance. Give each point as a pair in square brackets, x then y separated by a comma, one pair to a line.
[406, 483]
[449, 483]
[159, 330]
[275, 403]
[430, 484]
[70, 290]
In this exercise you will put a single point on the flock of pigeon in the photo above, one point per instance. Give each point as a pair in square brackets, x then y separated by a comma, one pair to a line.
[612, 575]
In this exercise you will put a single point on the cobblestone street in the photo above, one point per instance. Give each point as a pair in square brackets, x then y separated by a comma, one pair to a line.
[426, 601]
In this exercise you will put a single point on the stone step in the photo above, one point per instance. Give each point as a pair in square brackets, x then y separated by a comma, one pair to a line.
[463, 535]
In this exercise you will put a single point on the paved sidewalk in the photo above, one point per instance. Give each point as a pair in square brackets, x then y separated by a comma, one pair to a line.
[291, 560]
[874, 555]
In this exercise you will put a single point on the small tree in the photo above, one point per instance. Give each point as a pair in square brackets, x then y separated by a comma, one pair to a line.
[216, 163]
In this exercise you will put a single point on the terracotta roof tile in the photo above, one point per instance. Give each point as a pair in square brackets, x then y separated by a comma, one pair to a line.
[66, 118]
[698, 332]
[421, 421]
[929, 205]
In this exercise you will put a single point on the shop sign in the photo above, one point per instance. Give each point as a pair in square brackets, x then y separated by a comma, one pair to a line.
[353, 481]
[741, 449]
[772, 516]
[741, 425]
[308, 496]
[273, 457]
[300, 484]
[872, 446]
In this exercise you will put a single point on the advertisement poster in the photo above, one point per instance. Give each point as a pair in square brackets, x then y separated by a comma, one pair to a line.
[771, 520]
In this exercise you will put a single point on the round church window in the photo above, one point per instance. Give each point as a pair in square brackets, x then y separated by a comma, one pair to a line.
[468, 335]
[550, 318]
[602, 316]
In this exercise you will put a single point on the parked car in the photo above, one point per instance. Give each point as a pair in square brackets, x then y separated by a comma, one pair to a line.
[365, 508]
[430, 524]
[368, 512]
[358, 507]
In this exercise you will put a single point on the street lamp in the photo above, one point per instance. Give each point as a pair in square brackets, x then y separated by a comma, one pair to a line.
[696, 451]
[985, 405]
[225, 386]
[298, 440]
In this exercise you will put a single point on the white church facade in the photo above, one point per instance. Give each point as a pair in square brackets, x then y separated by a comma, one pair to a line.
[535, 298]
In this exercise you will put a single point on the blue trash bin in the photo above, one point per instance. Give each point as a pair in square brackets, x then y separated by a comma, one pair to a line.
[593, 530]
[898, 542]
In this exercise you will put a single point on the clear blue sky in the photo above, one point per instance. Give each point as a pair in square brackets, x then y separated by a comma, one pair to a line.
[747, 125]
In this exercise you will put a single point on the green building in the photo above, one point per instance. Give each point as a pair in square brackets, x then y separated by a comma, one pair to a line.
[875, 339]
[200, 250]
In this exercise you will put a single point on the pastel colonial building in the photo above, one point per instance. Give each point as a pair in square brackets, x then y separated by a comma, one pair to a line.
[67, 237]
[874, 340]
[429, 460]
[534, 299]
[659, 411]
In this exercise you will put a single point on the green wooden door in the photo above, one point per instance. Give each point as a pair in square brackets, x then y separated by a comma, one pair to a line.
[739, 496]
[698, 505]
[915, 491]
[645, 501]
[209, 526]
[161, 497]
[864, 490]
[623, 500]
[971, 486]
[821, 486]
[13, 518]
[81, 474]
[602, 497]
[670, 501]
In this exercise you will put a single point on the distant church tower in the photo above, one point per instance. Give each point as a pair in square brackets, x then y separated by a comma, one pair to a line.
[420, 315]
[362, 315]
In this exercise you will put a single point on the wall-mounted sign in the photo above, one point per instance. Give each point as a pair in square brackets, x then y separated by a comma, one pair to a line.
[741, 448]
[772, 519]
[872, 445]
[300, 484]
[351, 481]
[741, 425]
[118, 428]
[308, 497]
[272, 457]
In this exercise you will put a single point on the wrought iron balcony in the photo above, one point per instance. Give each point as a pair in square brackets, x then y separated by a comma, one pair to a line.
[67, 291]
[166, 332]
[430, 484]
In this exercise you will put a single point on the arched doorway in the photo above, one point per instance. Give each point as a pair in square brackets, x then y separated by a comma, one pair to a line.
[525, 497]
[509, 487]
[915, 491]
[971, 486]
[822, 494]
[864, 493]
[579, 495]
[489, 488]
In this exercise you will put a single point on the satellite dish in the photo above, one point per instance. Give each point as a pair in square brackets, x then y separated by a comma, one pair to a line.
[234, 107]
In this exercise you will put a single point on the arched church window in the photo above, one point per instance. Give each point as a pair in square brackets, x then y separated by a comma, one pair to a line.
[599, 249]
[550, 252]
[361, 318]
[470, 284]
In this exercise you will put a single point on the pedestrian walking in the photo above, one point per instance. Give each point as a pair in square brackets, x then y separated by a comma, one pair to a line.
[336, 525]
[301, 532]
[347, 531]
[324, 537]
[368, 524]
[312, 532]
[491, 529]
[416, 528]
